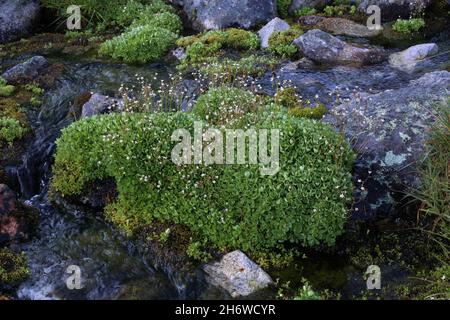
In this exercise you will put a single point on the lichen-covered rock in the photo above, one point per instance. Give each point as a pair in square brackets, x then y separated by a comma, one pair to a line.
[393, 9]
[237, 274]
[17, 18]
[325, 48]
[298, 4]
[100, 104]
[219, 14]
[389, 131]
[340, 26]
[275, 25]
[408, 60]
[26, 71]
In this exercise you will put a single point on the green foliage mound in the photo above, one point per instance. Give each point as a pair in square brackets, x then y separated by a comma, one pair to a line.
[13, 268]
[408, 26]
[224, 206]
[281, 43]
[166, 20]
[228, 70]
[141, 44]
[10, 130]
[5, 89]
[153, 31]
[288, 98]
[201, 47]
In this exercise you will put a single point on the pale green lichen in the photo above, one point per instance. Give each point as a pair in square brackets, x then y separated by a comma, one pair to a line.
[392, 159]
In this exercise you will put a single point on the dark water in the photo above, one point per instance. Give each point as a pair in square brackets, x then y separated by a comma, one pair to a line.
[110, 267]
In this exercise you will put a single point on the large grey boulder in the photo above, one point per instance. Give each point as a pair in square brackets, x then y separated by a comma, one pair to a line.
[237, 274]
[298, 4]
[393, 9]
[389, 131]
[17, 18]
[26, 71]
[100, 104]
[408, 60]
[325, 48]
[275, 25]
[218, 14]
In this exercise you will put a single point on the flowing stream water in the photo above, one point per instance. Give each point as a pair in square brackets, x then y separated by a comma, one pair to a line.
[111, 267]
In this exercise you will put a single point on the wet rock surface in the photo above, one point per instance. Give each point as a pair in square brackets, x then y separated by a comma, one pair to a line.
[408, 60]
[17, 222]
[26, 71]
[100, 104]
[393, 9]
[325, 48]
[219, 14]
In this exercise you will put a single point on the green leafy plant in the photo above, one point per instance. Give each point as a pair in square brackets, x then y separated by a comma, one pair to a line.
[312, 113]
[195, 251]
[283, 7]
[408, 26]
[224, 105]
[5, 89]
[35, 89]
[93, 11]
[35, 101]
[223, 206]
[152, 33]
[164, 236]
[100, 14]
[10, 130]
[287, 97]
[228, 70]
[307, 293]
[337, 10]
[166, 20]
[281, 43]
[434, 194]
[141, 44]
[202, 47]
[305, 11]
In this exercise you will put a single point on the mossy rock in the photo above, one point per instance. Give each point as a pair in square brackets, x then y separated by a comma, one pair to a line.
[13, 269]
